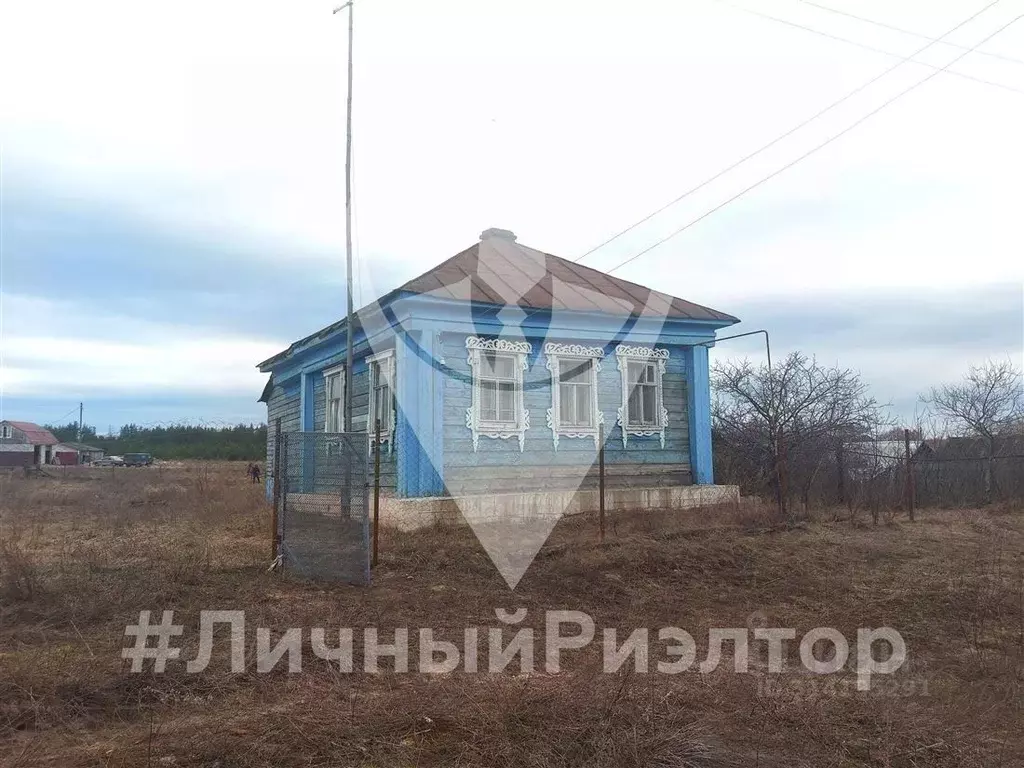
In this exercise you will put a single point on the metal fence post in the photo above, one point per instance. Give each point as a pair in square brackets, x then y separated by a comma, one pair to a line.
[841, 478]
[600, 474]
[910, 474]
[281, 530]
[376, 490]
[275, 536]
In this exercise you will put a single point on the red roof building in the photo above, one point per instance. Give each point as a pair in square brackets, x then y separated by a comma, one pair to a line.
[23, 444]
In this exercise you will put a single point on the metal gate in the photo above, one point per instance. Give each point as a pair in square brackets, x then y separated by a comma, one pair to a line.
[323, 510]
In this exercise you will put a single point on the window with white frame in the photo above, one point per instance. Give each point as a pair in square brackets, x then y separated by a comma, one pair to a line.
[574, 410]
[5, 432]
[382, 395]
[643, 411]
[498, 409]
[334, 392]
[497, 382]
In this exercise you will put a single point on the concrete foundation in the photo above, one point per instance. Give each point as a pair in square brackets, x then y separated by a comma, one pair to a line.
[409, 514]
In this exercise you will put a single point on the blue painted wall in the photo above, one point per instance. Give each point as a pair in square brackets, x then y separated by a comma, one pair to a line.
[499, 464]
[433, 452]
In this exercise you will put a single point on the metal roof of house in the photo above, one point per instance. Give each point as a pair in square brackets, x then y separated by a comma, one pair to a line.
[268, 390]
[82, 447]
[34, 434]
[500, 271]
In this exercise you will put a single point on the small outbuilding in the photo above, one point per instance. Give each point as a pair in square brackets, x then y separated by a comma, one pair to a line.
[83, 454]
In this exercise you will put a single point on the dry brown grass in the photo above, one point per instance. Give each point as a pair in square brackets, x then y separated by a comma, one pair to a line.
[80, 557]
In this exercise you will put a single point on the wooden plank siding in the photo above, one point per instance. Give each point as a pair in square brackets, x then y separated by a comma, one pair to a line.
[319, 403]
[499, 466]
[283, 404]
[360, 410]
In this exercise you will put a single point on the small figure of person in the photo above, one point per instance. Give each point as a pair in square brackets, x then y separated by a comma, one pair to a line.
[254, 472]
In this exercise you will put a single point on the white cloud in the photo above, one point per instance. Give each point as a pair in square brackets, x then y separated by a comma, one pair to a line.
[185, 365]
[564, 121]
[146, 358]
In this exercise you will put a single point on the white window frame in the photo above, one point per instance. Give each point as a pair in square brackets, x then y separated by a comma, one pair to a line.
[518, 350]
[6, 433]
[633, 354]
[336, 373]
[555, 353]
[385, 362]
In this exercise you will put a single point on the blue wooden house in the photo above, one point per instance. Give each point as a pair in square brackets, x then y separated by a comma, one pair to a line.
[497, 370]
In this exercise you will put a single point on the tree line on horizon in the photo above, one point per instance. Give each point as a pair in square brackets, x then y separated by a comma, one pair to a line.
[241, 442]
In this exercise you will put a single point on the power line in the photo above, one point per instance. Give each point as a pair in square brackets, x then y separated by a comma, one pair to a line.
[873, 48]
[810, 152]
[779, 138]
[910, 32]
[66, 415]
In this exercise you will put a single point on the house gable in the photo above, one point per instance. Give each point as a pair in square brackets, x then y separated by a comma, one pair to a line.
[26, 432]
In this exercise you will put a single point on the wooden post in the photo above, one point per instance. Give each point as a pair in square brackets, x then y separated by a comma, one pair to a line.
[910, 474]
[600, 475]
[782, 492]
[275, 539]
[841, 476]
[376, 490]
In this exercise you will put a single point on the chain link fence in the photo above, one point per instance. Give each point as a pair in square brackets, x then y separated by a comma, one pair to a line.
[323, 506]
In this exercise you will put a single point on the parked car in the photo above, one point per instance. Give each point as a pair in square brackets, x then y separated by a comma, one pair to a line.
[137, 459]
[109, 461]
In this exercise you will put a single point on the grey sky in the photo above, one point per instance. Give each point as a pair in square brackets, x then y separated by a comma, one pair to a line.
[173, 190]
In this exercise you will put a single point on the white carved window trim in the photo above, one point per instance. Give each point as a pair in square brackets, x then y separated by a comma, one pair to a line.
[629, 354]
[334, 377]
[519, 350]
[385, 362]
[555, 353]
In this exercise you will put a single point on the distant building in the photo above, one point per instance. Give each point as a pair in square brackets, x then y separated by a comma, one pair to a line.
[80, 453]
[24, 444]
[872, 458]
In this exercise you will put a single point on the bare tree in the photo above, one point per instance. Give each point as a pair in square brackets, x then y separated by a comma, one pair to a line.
[799, 409]
[989, 403]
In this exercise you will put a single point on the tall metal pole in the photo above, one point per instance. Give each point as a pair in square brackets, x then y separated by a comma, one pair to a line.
[600, 476]
[376, 491]
[80, 409]
[348, 226]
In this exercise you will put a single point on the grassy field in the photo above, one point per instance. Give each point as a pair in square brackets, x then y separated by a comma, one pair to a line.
[80, 556]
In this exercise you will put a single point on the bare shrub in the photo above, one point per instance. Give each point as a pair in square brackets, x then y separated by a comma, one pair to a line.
[989, 403]
[778, 427]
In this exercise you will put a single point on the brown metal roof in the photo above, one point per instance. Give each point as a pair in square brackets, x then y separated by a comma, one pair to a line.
[498, 270]
[34, 434]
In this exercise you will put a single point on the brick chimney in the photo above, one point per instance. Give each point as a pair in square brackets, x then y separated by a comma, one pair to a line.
[498, 234]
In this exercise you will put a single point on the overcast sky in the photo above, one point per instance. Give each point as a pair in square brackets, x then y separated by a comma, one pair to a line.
[173, 191]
